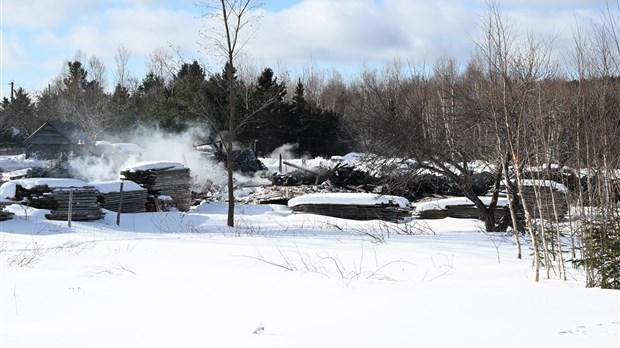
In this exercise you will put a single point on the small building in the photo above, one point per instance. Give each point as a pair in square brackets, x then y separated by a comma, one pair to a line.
[57, 140]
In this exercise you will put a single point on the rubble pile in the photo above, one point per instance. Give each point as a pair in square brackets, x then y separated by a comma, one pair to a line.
[168, 187]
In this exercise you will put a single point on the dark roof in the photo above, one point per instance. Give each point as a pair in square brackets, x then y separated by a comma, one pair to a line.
[74, 133]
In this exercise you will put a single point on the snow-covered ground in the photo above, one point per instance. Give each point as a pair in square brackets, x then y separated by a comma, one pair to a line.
[283, 280]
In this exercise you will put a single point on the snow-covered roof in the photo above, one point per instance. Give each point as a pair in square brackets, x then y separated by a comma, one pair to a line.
[154, 165]
[115, 186]
[348, 199]
[441, 204]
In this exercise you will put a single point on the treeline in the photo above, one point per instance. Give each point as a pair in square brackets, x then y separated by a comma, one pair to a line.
[268, 115]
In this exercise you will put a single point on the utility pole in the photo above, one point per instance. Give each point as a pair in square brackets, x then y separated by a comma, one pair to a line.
[12, 89]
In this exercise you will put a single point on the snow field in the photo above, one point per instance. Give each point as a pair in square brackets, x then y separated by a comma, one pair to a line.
[184, 280]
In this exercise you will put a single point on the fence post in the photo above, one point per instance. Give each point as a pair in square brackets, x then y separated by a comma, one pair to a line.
[70, 210]
[120, 205]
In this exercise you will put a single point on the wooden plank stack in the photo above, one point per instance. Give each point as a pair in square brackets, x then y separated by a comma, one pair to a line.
[548, 196]
[168, 189]
[133, 201]
[84, 204]
[387, 212]
[461, 211]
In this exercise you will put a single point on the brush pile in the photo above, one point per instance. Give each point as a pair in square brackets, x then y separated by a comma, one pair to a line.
[168, 184]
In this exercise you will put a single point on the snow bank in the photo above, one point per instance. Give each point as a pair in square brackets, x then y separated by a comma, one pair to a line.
[348, 199]
[7, 190]
[154, 165]
[441, 204]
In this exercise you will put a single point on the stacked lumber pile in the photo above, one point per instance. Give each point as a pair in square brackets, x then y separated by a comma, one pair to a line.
[54, 194]
[469, 211]
[353, 206]
[168, 187]
[84, 204]
[133, 201]
[458, 208]
[133, 198]
[548, 196]
[384, 212]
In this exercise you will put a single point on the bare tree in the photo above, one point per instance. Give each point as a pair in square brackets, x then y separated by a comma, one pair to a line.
[122, 66]
[229, 26]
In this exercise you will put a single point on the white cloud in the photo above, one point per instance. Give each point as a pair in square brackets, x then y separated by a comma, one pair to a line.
[343, 34]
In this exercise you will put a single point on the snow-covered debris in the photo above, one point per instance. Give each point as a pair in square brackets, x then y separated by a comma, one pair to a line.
[16, 162]
[153, 165]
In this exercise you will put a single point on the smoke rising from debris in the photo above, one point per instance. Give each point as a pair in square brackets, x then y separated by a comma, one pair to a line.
[286, 150]
[154, 145]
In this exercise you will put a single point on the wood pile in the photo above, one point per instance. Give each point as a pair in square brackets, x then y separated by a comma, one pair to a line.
[84, 204]
[548, 197]
[167, 189]
[469, 211]
[387, 212]
[133, 201]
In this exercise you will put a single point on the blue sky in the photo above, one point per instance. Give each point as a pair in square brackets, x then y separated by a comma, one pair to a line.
[39, 36]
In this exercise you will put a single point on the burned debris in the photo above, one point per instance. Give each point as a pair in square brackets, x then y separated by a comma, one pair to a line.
[244, 160]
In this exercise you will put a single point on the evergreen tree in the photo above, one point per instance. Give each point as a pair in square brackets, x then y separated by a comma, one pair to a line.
[16, 114]
[267, 128]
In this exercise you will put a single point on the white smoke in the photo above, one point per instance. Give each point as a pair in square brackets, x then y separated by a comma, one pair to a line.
[286, 150]
[156, 145]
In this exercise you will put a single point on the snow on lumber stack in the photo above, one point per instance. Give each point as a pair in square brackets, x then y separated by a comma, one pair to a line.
[134, 197]
[53, 194]
[354, 206]
[168, 184]
[457, 207]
